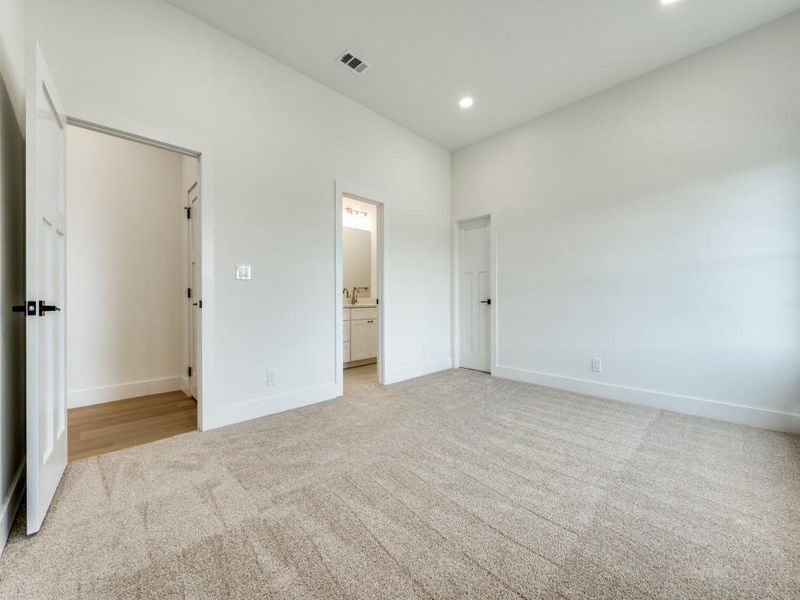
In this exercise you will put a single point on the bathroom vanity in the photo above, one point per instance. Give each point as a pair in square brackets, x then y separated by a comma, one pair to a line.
[360, 334]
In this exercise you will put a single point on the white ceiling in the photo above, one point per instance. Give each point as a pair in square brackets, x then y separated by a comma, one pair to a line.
[518, 58]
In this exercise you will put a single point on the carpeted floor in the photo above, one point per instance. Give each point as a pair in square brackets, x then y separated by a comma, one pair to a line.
[454, 485]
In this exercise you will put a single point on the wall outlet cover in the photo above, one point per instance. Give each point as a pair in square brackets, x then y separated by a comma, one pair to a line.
[597, 365]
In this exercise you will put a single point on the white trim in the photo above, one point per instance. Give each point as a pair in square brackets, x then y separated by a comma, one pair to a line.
[270, 405]
[11, 504]
[363, 195]
[456, 222]
[122, 391]
[130, 136]
[405, 373]
[702, 407]
[185, 385]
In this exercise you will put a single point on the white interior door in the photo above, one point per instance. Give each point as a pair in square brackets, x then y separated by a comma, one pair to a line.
[474, 302]
[45, 278]
[194, 285]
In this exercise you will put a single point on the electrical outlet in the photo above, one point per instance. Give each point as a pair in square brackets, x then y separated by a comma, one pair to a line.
[272, 378]
[597, 365]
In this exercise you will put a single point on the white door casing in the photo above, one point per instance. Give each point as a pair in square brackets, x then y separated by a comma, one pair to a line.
[195, 286]
[474, 281]
[45, 279]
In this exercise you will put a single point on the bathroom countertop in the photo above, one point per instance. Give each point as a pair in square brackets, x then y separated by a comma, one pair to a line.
[359, 305]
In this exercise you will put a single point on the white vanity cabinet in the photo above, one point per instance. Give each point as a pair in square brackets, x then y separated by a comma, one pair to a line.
[346, 336]
[361, 334]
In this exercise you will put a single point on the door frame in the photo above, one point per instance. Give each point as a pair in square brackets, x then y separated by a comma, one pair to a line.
[191, 337]
[362, 195]
[455, 224]
[206, 321]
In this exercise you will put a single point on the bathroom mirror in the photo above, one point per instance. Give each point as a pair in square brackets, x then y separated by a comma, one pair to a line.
[356, 260]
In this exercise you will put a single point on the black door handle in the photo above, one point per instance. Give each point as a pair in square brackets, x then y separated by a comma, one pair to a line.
[29, 308]
[43, 308]
[489, 301]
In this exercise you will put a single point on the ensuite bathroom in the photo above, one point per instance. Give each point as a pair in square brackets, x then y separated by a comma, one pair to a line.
[360, 293]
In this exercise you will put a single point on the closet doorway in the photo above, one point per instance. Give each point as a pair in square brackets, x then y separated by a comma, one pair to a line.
[133, 293]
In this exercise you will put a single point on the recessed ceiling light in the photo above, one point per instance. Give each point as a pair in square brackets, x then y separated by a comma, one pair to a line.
[465, 102]
[669, 1]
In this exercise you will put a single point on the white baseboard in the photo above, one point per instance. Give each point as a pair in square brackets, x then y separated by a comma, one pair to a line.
[219, 416]
[11, 504]
[702, 407]
[185, 385]
[403, 373]
[132, 389]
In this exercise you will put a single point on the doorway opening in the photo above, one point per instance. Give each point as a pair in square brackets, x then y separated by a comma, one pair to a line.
[474, 285]
[132, 290]
[359, 252]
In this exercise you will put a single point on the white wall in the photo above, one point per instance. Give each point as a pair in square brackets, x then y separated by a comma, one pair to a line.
[126, 253]
[657, 226]
[274, 143]
[12, 268]
[12, 55]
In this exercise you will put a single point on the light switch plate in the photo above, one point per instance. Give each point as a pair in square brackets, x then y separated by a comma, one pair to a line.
[243, 272]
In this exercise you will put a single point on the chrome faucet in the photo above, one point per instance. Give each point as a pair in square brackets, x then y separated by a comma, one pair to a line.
[346, 293]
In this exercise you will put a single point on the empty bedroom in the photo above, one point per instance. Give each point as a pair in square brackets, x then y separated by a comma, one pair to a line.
[442, 299]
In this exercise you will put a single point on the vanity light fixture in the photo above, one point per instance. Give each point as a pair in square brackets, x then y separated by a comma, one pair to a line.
[355, 213]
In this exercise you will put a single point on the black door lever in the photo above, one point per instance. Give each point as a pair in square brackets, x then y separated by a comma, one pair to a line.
[29, 308]
[43, 308]
[489, 301]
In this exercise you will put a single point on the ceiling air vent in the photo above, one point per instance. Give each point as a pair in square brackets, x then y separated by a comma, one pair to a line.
[352, 62]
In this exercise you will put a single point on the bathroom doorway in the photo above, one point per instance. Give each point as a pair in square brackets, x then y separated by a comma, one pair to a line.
[359, 290]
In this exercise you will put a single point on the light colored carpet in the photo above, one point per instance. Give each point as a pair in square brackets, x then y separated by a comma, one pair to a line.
[454, 485]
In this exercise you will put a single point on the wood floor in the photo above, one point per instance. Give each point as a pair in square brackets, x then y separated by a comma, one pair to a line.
[116, 425]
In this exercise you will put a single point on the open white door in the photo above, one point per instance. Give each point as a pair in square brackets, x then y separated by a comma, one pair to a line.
[45, 267]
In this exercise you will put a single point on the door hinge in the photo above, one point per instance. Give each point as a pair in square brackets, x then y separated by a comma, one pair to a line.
[377, 301]
[189, 370]
[188, 292]
[188, 210]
